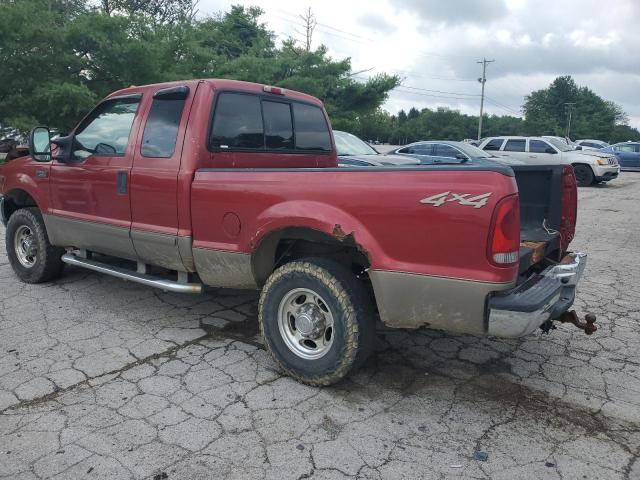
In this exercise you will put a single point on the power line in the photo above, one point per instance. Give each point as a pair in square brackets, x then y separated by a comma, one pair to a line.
[502, 105]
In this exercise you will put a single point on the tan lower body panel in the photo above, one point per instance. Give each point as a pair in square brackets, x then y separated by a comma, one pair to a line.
[408, 300]
[93, 236]
[219, 268]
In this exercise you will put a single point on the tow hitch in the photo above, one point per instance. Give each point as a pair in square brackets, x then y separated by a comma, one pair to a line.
[589, 325]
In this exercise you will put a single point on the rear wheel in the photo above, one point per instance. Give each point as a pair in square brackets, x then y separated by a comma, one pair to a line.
[32, 257]
[316, 320]
[584, 175]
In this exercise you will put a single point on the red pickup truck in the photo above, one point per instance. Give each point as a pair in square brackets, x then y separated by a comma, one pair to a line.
[233, 184]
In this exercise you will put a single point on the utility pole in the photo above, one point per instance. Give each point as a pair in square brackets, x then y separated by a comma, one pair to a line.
[569, 107]
[482, 81]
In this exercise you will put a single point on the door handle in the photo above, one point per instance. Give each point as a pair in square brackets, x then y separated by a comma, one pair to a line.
[123, 180]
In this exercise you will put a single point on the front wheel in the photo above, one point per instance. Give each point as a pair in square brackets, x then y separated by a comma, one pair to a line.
[584, 175]
[316, 320]
[32, 257]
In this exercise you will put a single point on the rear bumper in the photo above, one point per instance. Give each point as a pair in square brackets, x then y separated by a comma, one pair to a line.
[545, 296]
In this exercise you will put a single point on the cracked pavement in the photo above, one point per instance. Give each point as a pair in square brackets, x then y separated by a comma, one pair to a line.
[105, 379]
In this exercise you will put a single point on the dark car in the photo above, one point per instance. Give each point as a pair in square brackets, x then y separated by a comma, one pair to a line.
[353, 152]
[439, 151]
[628, 154]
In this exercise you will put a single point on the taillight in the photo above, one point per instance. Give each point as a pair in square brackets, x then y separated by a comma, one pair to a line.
[569, 213]
[504, 239]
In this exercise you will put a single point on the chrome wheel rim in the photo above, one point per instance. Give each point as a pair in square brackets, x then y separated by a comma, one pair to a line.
[306, 323]
[25, 246]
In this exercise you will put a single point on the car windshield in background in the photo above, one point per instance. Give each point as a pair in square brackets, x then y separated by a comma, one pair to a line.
[474, 152]
[559, 144]
[347, 144]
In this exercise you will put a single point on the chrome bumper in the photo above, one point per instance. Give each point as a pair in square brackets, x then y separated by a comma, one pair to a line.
[545, 296]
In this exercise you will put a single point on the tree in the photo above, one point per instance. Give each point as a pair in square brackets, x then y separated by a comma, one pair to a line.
[546, 111]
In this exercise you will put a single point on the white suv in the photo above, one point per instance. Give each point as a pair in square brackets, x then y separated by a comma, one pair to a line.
[591, 166]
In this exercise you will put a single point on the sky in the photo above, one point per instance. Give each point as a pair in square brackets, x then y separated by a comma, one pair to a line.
[434, 46]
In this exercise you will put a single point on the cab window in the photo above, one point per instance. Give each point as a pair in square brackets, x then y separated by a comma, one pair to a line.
[515, 145]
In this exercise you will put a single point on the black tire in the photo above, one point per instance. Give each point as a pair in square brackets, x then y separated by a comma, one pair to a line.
[47, 263]
[584, 175]
[350, 306]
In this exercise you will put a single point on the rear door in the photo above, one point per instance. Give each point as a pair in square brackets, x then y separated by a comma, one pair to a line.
[514, 148]
[154, 179]
[542, 152]
[90, 193]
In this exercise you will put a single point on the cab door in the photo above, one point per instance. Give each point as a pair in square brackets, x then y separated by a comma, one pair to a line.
[154, 181]
[90, 204]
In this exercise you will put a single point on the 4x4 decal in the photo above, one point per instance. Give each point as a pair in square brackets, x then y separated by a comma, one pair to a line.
[466, 199]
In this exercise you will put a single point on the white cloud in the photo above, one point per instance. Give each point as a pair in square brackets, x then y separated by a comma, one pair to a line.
[435, 45]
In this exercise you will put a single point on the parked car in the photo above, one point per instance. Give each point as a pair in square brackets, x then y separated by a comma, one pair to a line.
[235, 184]
[353, 152]
[443, 150]
[627, 153]
[590, 144]
[590, 166]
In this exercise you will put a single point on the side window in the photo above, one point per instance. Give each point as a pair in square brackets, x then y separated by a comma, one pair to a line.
[161, 130]
[312, 131]
[421, 149]
[278, 129]
[538, 146]
[106, 131]
[494, 144]
[515, 145]
[404, 150]
[237, 122]
[446, 151]
[626, 148]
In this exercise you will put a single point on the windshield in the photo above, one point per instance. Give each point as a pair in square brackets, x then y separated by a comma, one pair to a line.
[473, 152]
[559, 144]
[348, 144]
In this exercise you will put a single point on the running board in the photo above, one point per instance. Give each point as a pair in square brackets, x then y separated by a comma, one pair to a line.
[130, 275]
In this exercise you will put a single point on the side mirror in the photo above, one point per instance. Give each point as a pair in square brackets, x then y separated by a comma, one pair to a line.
[40, 144]
[550, 150]
[578, 147]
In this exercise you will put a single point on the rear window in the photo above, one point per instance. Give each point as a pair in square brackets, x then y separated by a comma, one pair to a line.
[494, 144]
[515, 145]
[312, 131]
[278, 129]
[250, 122]
[237, 122]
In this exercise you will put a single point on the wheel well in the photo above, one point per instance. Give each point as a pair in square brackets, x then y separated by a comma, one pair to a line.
[291, 243]
[15, 200]
[581, 165]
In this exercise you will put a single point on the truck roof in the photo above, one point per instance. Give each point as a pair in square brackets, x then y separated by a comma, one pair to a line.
[218, 84]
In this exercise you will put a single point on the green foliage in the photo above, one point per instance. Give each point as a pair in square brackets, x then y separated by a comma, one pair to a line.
[546, 112]
[69, 53]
